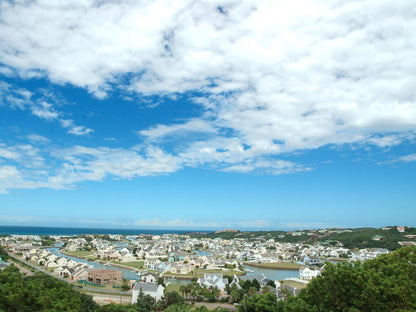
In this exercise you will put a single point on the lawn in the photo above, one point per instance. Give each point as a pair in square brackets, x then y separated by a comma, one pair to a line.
[79, 253]
[200, 273]
[173, 287]
[298, 285]
[133, 264]
[277, 265]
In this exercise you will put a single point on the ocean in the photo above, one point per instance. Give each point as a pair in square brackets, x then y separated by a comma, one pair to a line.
[68, 231]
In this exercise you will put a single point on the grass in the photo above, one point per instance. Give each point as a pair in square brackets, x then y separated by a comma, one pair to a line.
[79, 253]
[277, 265]
[173, 287]
[294, 284]
[200, 273]
[133, 264]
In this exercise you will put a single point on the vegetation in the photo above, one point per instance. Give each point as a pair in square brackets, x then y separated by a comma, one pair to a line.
[47, 241]
[133, 264]
[79, 253]
[3, 254]
[39, 293]
[350, 238]
[387, 283]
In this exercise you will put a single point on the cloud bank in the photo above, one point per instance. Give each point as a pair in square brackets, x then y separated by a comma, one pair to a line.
[271, 77]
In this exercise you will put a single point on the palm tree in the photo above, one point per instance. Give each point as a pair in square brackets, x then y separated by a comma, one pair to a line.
[188, 289]
[216, 292]
[182, 290]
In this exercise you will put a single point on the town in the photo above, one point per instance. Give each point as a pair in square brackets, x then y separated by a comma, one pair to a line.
[216, 267]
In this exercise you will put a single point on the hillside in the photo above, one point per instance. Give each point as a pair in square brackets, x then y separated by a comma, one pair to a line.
[387, 237]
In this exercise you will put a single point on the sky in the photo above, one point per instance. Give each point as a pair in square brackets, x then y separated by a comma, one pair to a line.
[254, 115]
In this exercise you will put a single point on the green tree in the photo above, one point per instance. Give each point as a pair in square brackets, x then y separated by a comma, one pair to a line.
[144, 302]
[172, 298]
[259, 303]
[387, 283]
[125, 284]
[179, 307]
[216, 292]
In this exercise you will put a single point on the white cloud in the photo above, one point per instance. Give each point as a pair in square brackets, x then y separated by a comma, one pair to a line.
[306, 225]
[272, 77]
[94, 164]
[6, 153]
[37, 138]
[44, 110]
[26, 167]
[275, 167]
[183, 129]
[406, 158]
[7, 219]
[190, 224]
[40, 106]
[8, 175]
[391, 140]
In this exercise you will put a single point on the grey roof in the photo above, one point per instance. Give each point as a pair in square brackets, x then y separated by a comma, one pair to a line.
[251, 277]
[146, 287]
[4, 264]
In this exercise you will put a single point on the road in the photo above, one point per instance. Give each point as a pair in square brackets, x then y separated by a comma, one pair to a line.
[116, 293]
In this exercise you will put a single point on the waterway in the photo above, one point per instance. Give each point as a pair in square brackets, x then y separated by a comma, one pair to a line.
[127, 274]
[272, 274]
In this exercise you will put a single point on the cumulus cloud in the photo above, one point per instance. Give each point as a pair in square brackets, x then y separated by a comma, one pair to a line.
[25, 166]
[272, 77]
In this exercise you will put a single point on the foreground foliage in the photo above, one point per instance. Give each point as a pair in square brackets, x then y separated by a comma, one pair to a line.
[39, 293]
[387, 283]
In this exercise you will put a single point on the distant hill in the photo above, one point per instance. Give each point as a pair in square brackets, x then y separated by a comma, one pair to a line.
[390, 237]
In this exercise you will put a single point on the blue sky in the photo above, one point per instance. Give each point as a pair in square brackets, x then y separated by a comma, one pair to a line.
[207, 114]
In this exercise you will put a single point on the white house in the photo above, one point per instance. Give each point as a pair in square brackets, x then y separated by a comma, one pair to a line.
[308, 273]
[153, 290]
[213, 280]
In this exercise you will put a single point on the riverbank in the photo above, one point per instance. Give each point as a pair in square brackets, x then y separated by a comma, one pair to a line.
[276, 265]
[114, 264]
[179, 277]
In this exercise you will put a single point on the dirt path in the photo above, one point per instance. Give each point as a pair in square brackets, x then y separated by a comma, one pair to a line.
[22, 269]
[211, 306]
[107, 299]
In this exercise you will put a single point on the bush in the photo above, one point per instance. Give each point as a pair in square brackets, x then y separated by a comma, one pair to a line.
[210, 297]
[199, 298]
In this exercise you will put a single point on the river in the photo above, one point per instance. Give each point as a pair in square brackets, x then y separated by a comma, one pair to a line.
[127, 274]
[272, 274]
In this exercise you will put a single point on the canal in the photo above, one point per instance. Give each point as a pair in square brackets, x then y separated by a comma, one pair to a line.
[272, 274]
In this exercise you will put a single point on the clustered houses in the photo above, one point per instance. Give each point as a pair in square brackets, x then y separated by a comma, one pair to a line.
[61, 266]
[174, 254]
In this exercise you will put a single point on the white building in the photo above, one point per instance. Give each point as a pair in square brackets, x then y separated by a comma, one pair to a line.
[153, 290]
[306, 273]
